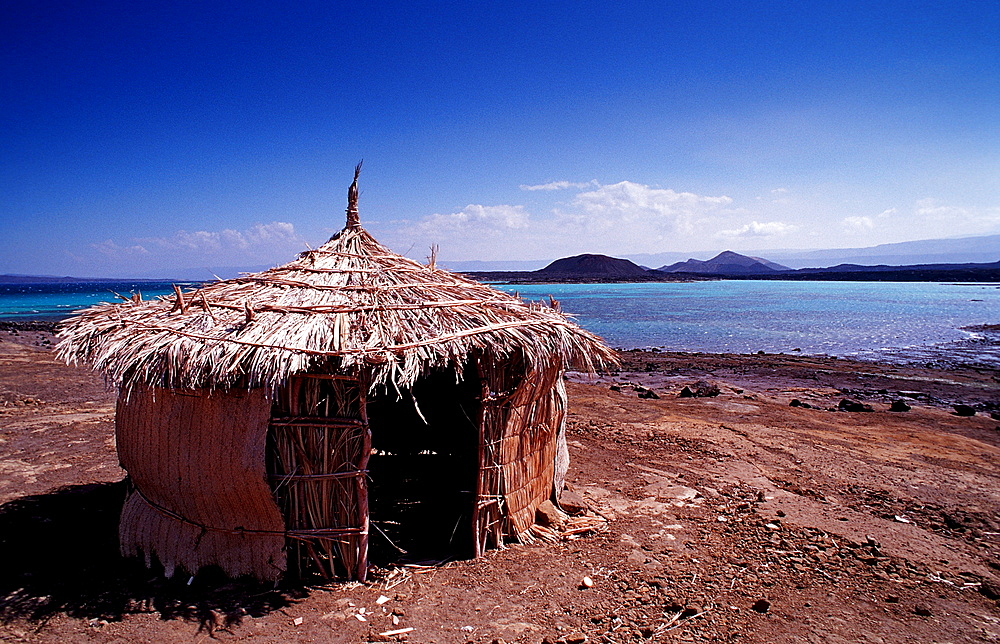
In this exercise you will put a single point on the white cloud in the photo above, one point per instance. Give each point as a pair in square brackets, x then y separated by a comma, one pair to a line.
[475, 216]
[271, 243]
[110, 249]
[948, 221]
[558, 185]
[258, 236]
[858, 224]
[779, 191]
[634, 204]
[887, 213]
[758, 229]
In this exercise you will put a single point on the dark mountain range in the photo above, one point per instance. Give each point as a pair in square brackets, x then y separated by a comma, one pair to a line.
[53, 279]
[726, 263]
[594, 266]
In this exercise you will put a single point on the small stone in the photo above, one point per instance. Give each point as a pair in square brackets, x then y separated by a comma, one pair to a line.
[576, 637]
[572, 503]
[963, 410]
[853, 406]
[899, 405]
[586, 582]
[549, 515]
[704, 389]
[923, 611]
[989, 590]
[761, 606]
[795, 403]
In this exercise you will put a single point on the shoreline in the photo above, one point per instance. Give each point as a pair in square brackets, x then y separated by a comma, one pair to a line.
[981, 350]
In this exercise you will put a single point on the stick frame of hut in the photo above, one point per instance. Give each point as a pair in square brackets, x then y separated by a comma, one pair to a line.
[255, 414]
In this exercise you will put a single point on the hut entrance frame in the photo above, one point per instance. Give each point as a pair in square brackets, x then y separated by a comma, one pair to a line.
[429, 472]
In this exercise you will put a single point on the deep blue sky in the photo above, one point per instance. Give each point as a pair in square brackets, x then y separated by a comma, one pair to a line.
[142, 137]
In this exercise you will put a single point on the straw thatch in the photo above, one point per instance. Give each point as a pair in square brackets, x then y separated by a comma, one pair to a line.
[349, 304]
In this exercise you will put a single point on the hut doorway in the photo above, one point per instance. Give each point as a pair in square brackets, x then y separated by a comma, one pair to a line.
[424, 468]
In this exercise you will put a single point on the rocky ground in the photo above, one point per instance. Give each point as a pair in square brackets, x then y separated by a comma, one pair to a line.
[732, 516]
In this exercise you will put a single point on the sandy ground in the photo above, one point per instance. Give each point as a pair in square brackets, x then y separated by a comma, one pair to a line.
[734, 517]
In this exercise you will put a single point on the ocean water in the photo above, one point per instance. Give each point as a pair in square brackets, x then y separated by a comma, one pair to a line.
[911, 321]
[56, 301]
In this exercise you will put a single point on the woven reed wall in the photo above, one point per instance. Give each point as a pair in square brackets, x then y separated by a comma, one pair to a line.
[197, 463]
[528, 448]
[318, 463]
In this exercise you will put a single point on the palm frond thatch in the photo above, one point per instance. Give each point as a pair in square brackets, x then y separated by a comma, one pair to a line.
[350, 304]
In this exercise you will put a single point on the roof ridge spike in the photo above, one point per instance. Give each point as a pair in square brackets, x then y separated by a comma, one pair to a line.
[353, 220]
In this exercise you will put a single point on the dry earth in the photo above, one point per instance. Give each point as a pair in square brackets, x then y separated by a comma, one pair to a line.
[734, 517]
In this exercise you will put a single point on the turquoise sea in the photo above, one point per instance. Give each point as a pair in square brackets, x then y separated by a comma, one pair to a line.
[873, 320]
[898, 321]
[53, 301]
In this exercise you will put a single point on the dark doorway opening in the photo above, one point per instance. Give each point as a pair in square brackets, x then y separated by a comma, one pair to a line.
[424, 469]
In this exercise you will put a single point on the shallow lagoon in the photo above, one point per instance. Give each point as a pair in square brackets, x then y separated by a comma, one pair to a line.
[862, 319]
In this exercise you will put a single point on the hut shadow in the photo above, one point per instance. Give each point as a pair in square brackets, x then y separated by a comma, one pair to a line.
[59, 554]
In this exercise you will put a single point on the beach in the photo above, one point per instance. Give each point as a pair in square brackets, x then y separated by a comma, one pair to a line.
[782, 501]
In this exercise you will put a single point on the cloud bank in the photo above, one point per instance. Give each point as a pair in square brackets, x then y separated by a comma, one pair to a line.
[273, 243]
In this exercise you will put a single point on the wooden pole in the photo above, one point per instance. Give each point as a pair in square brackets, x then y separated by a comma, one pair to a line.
[361, 482]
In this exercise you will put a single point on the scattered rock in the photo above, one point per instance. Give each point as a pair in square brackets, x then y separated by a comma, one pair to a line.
[899, 405]
[572, 503]
[761, 606]
[853, 406]
[668, 491]
[923, 611]
[963, 410]
[700, 389]
[550, 516]
[989, 590]
[575, 637]
[648, 394]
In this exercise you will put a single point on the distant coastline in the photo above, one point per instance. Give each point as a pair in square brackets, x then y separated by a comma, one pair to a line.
[602, 269]
[860, 274]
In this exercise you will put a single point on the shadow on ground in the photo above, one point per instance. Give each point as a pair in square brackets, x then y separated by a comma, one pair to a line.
[60, 555]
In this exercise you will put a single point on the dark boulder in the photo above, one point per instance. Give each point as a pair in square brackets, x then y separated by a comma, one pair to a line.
[854, 406]
[963, 410]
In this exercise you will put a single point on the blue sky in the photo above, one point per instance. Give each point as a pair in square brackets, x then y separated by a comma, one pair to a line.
[144, 137]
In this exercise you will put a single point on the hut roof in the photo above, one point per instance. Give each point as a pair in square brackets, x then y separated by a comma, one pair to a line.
[351, 303]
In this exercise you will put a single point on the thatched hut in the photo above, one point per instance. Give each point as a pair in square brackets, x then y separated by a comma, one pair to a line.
[268, 422]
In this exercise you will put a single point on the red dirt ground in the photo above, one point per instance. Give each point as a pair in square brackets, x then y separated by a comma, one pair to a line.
[732, 518]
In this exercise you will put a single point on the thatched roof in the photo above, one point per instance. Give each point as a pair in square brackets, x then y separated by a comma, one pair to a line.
[351, 303]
